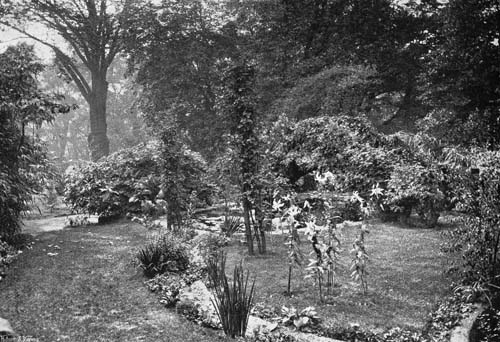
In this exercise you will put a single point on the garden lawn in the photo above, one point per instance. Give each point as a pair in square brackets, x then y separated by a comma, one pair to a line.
[89, 291]
[406, 278]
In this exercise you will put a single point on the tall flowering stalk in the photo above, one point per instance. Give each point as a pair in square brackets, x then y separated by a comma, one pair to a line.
[292, 241]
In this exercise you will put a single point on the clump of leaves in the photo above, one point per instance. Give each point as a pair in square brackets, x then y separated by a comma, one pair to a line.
[232, 301]
[305, 318]
[488, 326]
[169, 285]
[268, 336]
[165, 253]
[75, 221]
[231, 225]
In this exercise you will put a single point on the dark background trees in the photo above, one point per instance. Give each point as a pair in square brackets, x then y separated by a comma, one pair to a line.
[93, 35]
[461, 74]
[22, 106]
[427, 66]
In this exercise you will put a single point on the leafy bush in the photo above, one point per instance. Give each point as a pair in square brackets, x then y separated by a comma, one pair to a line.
[130, 181]
[478, 238]
[116, 184]
[350, 211]
[22, 157]
[232, 302]
[411, 168]
[416, 186]
[165, 253]
[357, 155]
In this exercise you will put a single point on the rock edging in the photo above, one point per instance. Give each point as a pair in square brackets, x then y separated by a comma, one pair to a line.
[195, 302]
[462, 332]
[6, 328]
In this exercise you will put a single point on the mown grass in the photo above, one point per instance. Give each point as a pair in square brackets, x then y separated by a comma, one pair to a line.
[89, 291]
[406, 278]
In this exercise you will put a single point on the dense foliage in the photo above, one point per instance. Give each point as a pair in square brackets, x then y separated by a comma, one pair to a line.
[23, 164]
[163, 254]
[332, 143]
[478, 239]
[130, 181]
[410, 168]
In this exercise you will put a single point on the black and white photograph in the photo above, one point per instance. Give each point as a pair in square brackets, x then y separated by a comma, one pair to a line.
[249, 170]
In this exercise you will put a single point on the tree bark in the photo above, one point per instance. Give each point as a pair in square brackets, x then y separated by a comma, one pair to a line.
[97, 138]
[248, 228]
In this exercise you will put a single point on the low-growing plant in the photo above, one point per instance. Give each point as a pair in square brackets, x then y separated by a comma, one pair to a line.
[231, 225]
[232, 301]
[169, 285]
[271, 336]
[299, 319]
[75, 221]
[7, 255]
[164, 253]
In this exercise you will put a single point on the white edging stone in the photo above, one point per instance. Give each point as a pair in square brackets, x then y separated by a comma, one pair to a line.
[462, 332]
[5, 328]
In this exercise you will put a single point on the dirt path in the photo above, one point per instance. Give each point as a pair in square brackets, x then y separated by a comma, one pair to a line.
[49, 224]
[80, 285]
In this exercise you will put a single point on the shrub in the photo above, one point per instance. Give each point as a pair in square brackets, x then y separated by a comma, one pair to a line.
[478, 238]
[165, 253]
[411, 167]
[22, 157]
[232, 302]
[129, 181]
[350, 148]
[350, 211]
[416, 186]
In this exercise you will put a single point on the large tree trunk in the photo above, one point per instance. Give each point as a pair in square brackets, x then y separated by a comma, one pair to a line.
[98, 139]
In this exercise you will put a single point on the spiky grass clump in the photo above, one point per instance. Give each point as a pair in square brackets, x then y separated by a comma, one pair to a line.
[231, 225]
[234, 301]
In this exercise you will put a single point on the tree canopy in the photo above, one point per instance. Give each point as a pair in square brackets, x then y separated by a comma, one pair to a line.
[93, 33]
[22, 103]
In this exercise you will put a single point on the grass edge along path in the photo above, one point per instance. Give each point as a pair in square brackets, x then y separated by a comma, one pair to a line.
[79, 284]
